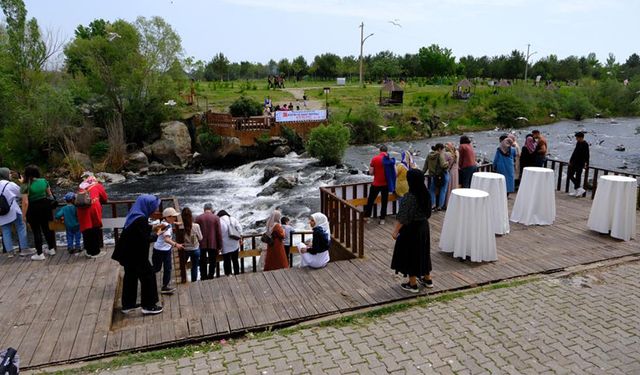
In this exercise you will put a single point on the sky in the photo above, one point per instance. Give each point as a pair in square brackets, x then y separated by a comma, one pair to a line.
[259, 30]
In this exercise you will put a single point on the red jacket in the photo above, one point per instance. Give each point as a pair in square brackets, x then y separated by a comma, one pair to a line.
[91, 217]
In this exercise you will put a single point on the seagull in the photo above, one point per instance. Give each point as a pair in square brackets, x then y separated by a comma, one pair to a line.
[384, 128]
[445, 124]
[171, 103]
[522, 118]
[395, 22]
[552, 115]
[113, 36]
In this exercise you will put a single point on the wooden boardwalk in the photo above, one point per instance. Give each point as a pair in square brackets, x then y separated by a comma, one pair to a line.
[67, 308]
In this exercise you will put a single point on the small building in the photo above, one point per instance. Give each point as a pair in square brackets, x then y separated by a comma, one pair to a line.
[391, 93]
[462, 90]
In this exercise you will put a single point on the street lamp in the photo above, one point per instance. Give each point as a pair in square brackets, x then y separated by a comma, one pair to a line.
[526, 65]
[362, 40]
[326, 98]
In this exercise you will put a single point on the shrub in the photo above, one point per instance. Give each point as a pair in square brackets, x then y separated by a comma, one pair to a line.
[208, 140]
[293, 139]
[366, 124]
[507, 108]
[577, 106]
[328, 143]
[98, 150]
[245, 107]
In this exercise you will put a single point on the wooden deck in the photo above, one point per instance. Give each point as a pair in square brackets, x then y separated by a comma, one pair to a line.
[67, 308]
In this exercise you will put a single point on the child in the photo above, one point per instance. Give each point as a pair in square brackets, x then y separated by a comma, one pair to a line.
[69, 216]
[288, 229]
[161, 257]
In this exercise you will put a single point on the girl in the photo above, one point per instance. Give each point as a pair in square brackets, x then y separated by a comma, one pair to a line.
[317, 256]
[192, 238]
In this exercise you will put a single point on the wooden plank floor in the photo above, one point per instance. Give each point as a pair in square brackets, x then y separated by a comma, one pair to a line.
[67, 307]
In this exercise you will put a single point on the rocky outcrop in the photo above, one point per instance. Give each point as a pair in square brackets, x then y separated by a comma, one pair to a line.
[174, 147]
[137, 161]
[282, 183]
[228, 145]
[156, 168]
[110, 178]
[83, 159]
[282, 151]
[269, 173]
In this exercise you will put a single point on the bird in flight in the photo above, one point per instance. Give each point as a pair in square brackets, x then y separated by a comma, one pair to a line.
[395, 22]
[113, 36]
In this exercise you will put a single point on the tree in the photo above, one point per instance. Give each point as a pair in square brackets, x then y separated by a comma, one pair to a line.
[159, 43]
[325, 65]
[284, 67]
[384, 64]
[349, 66]
[299, 67]
[436, 61]
[217, 68]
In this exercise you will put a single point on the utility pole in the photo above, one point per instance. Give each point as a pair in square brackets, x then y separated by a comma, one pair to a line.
[526, 65]
[362, 40]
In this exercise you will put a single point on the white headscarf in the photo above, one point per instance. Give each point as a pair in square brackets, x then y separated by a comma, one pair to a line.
[322, 221]
[273, 220]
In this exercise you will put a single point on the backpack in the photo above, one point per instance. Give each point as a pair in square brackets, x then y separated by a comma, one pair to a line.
[83, 199]
[10, 362]
[5, 206]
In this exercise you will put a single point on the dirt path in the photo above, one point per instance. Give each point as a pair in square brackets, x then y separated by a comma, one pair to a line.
[298, 94]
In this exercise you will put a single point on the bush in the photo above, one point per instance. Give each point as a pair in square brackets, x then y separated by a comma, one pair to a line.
[577, 106]
[245, 107]
[366, 124]
[328, 143]
[99, 150]
[208, 140]
[507, 108]
[293, 139]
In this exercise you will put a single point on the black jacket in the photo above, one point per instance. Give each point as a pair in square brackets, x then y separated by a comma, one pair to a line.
[580, 155]
[133, 245]
[320, 241]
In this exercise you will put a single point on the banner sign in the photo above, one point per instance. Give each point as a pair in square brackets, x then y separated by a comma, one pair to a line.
[301, 116]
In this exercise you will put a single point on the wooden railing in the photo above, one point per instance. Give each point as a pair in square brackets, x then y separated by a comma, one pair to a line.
[345, 219]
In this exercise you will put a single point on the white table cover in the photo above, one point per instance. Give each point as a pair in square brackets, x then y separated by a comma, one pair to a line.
[614, 207]
[496, 186]
[467, 229]
[536, 200]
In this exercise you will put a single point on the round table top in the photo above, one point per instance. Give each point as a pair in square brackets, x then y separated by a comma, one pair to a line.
[491, 175]
[618, 178]
[470, 193]
[538, 169]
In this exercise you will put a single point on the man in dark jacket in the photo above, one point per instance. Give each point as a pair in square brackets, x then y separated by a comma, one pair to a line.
[579, 161]
[211, 242]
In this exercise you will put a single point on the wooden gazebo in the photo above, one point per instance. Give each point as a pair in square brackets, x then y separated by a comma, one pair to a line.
[462, 90]
[391, 93]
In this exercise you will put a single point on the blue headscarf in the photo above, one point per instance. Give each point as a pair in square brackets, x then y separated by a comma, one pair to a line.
[407, 160]
[144, 206]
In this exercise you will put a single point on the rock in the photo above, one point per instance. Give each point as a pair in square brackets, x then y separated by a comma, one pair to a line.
[130, 175]
[285, 182]
[277, 141]
[98, 134]
[269, 173]
[110, 178]
[353, 171]
[137, 161]
[282, 151]
[174, 147]
[65, 183]
[269, 190]
[156, 168]
[228, 145]
[83, 159]
[305, 155]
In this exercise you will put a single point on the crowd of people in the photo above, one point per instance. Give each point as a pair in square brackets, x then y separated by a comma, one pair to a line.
[270, 109]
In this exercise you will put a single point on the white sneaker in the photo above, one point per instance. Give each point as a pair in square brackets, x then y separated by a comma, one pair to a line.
[27, 252]
[50, 252]
[580, 191]
[572, 194]
[38, 257]
[381, 222]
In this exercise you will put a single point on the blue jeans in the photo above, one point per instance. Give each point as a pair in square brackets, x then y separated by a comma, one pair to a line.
[73, 236]
[21, 229]
[442, 195]
[162, 261]
[195, 262]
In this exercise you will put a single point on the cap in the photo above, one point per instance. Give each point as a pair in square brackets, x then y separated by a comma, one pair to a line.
[579, 135]
[69, 196]
[169, 212]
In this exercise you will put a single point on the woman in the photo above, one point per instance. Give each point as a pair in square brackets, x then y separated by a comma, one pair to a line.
[466, 162]
[90, 216]
[11, 192]
[132, 252]
[230, 246]
[452, 157]
[504, 162]
[317, 255]
[528, 154]
[411, 254]
[276, 257]
[401, 173]
[516, 147]
[192, 238]
[36, 194]
[438, 168]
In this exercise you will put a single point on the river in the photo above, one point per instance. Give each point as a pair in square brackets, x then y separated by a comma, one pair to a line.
[236, 190]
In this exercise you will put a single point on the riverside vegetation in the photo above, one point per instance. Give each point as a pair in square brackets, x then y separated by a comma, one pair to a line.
[115, 82]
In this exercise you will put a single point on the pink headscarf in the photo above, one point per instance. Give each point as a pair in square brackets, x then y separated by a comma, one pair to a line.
[530, 144]
[89, 182]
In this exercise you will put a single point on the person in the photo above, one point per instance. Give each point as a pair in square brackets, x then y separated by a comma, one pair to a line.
[504, 162]
[317, 254]
[36, 195]
[192, 238]
[437, 167]
[288, 229]
[466, 162]
[276, 257]
[161, 257]
[69, 215]
[452, 156]
[11, 192]
[541, 148]
[230, 244]
[132, 252]
[211, 242]
[579, 160]
[90, 217]
[381, 182]
[516, 159]
[405, 165]
[528, 154]
[412, 250]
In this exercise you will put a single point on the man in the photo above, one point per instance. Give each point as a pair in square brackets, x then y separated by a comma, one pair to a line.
[540, 154]
[211, 242]
[579, 161]
[378, 186]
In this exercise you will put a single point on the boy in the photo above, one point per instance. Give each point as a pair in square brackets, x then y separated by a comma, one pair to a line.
[69, 216]
[288, 229]
[161, 257]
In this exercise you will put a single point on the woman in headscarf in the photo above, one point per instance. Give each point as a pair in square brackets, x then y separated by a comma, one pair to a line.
[276, 257]
[90, 215]
[11, 192]
[317, 256]
[516, 147]
[528, 154]
[401, 173]
[132, 252]
[504, 162]
[230, 245]
[411, 254]
[452, 156]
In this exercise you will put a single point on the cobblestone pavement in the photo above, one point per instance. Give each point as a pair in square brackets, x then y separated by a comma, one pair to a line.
[583, 324]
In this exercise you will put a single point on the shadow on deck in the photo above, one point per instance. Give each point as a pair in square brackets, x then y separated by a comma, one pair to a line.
[67, 308]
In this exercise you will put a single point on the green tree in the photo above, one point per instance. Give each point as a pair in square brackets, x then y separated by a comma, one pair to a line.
[384, 64]
[159, 43]
[299, 67]
[325, 65]
[436, 61]
[245, 107]
[284, 67]
[217, 68]
[329, 143]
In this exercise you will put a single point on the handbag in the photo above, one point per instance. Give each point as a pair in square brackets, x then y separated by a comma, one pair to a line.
[234, 233]
[266, 238]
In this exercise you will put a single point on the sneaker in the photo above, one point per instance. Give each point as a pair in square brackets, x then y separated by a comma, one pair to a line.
[426, 283]
[10, 254]
[27, 252]
[410, 288]
[152, 310]
[50, 252]
[130, 309]
[381, 222]
[580, 191]
[38, 257]
[573, 193]
[167, 290]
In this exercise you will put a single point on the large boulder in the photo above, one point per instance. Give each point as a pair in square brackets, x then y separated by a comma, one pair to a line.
[282, 151]
[269, 173]
[110, 178]
[83, 159]
[282, 183]
[174, 147]
[137, 161]
[228, 145]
